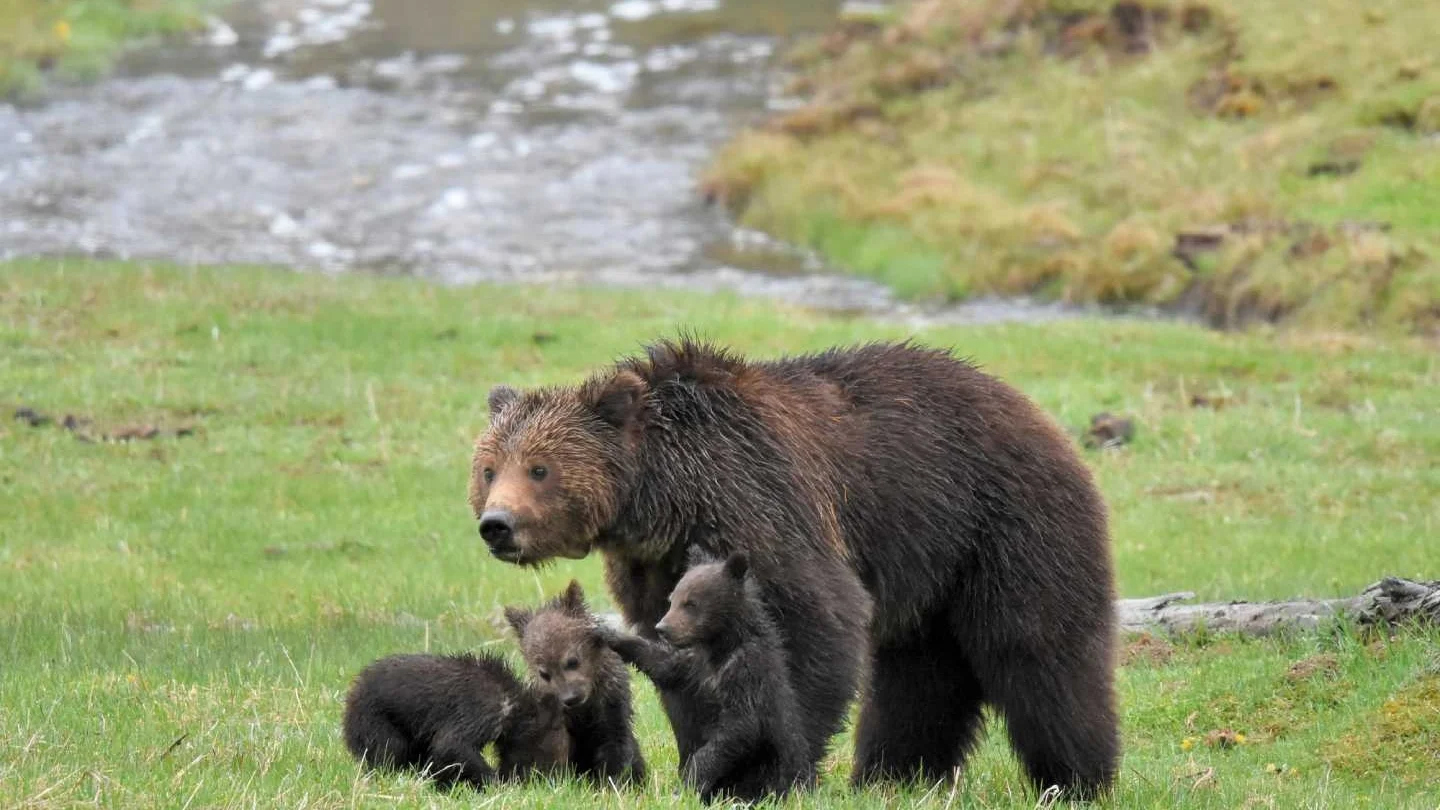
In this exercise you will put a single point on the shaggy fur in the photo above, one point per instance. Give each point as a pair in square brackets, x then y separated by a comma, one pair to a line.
[893, 501]
[435, 714]
[725, 663]
[567, 659]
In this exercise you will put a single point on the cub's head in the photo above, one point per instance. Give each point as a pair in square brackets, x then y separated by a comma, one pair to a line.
[706, 602]
[537, 739]
[564, 654]
[549, 473]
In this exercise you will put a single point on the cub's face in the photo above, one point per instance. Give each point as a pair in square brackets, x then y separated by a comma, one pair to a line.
[704, 602]
[548, 473]
[565, 656]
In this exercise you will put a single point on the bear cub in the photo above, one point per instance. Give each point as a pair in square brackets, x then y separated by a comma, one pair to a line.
[567, 658]
[435, 713]
[723, 660]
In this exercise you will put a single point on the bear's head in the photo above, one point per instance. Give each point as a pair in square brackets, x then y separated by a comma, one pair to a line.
[555, 463]
[564, 653]
[706, 602]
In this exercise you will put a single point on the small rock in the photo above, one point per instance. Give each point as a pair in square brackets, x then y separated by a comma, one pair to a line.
[1107, 430]
[633, 10]
[234, 73]
[219, 34]
[1333, 168]
[406, 171]
[259, 79]
[31, 417]
[283, 226]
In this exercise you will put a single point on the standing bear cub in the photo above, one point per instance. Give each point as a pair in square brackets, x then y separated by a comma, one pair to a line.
[892, 499]
[435, 714]
[567, 658]
[725, 663]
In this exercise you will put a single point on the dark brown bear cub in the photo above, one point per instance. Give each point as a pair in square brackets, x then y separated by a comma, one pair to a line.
[725, 663]
[567, 658]
[435, 713]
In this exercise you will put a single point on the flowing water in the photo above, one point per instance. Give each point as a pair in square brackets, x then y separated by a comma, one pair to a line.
[458, 140]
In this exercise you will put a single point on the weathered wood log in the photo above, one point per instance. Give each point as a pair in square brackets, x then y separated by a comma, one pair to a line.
[1389, 601]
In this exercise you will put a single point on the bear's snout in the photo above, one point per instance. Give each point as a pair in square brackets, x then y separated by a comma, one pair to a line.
[497, 529]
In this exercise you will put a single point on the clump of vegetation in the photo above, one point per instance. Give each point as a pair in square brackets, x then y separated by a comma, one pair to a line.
[78, 38]
[1400, 739]
[1243, 162]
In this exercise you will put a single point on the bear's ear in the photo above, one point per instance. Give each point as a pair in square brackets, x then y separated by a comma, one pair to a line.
[619, 401]
[519, 618]
[502, 397]
[573, 600]
[737, 564]
[695, 555]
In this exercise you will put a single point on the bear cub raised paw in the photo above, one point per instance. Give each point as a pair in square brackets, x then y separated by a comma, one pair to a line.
[567, 658]
[435, 713]
[723, 661]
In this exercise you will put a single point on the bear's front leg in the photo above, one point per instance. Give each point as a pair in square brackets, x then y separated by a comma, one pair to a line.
[664, 666]
[715, 760]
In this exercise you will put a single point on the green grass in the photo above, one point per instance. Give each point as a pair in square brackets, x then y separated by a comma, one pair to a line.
[989, 146]
[179, 618]
[78, 39]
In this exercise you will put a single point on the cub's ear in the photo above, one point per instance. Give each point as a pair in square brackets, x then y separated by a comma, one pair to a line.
[618, 400]
[573, 600]
[737, 564]
[519, 619]
[502, 397]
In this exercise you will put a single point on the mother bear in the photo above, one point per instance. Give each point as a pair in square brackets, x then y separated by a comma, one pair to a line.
[895, 502]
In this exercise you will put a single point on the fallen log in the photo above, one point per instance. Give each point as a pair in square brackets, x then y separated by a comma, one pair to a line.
[1390, 601]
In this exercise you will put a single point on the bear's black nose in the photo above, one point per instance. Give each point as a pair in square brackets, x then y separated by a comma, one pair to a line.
[497, 529]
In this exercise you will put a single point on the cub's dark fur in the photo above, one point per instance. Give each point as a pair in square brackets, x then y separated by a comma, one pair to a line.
[567, 659]
[725, 663]
[435, 713]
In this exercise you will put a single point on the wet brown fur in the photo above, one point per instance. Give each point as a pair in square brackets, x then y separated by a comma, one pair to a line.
[892, 500]
[567, 658]
[434, 714]
[727, 667]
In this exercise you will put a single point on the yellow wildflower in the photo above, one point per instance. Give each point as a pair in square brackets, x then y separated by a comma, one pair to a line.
[62, 30]
[1187, 743]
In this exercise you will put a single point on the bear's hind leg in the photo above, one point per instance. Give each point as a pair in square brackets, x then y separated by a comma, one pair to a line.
[379, 743]
[453, 759]
[1061, 718]
[921, 715]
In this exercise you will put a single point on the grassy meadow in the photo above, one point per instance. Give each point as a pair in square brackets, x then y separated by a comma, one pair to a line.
[180, 616]
[1275, 161]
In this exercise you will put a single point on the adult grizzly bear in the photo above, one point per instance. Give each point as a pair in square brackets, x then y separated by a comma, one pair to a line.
[891, 499]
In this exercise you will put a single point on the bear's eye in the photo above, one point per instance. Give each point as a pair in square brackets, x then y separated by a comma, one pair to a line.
[572, 663]
[545, 675]
[488, 475]
[538, 472]
[688, 604]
